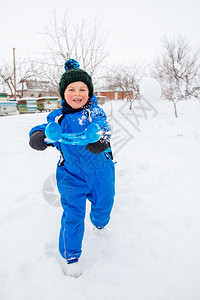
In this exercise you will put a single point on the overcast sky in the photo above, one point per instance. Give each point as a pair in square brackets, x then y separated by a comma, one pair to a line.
[135, 26]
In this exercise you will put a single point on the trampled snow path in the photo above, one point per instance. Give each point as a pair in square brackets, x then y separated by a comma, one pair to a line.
[151, 250]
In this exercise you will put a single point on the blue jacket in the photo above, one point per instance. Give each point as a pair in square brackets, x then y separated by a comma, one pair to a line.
[75, 123]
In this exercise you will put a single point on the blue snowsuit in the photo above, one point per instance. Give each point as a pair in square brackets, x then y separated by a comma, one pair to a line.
[81, 175]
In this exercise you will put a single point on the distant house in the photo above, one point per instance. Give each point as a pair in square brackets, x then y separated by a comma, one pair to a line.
[112, 95]
[35, 88]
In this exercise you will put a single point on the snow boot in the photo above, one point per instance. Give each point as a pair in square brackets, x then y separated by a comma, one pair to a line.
[72, 269]
[100, 231]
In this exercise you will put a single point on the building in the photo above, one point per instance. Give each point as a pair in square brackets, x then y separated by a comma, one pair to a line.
[35, 88]
[112, 95]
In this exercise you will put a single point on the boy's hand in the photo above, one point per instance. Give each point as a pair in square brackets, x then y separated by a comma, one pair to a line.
[98, 147]
[37, 140]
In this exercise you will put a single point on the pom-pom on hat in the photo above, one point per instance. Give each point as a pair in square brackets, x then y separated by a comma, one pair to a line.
[73, 74]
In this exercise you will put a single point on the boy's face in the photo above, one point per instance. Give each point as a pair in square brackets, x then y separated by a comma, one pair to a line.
[76, 94]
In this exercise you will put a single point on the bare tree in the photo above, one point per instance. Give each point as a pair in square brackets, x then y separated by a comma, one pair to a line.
[7, 78]
[51, 72]
[177, 70]
[80, 41]
[126, 79]
[24, 70]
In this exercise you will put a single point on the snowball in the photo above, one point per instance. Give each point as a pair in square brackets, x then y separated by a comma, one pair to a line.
[150, 89]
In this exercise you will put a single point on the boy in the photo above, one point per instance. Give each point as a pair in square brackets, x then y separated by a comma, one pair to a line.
[83, 172]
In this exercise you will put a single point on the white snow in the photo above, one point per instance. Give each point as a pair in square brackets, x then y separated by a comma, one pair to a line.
[152, 247]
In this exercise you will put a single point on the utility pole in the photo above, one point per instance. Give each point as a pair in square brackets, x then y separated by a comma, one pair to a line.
[14, 70]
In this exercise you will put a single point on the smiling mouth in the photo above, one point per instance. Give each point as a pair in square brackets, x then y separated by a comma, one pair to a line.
[77, 100]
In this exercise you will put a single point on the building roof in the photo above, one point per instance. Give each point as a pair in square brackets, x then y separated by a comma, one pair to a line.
[35, 85]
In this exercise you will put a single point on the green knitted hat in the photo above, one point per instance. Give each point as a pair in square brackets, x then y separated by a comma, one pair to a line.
[73, 74]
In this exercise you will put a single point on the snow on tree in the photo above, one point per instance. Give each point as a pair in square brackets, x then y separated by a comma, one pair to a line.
[177, 70]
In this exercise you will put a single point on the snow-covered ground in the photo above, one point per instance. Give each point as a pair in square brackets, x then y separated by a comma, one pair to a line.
[152, 247]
